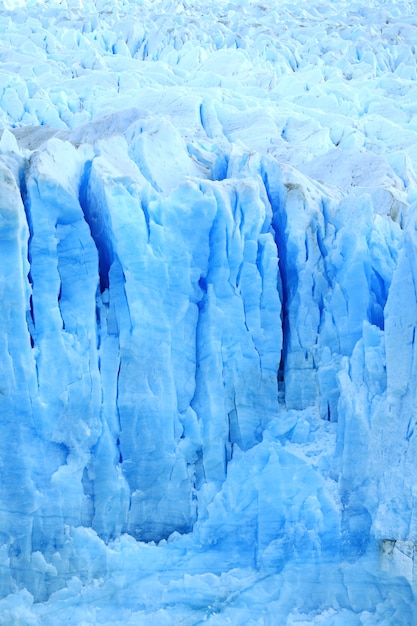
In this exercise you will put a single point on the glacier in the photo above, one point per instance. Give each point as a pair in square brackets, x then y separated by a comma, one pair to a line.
[208, 313]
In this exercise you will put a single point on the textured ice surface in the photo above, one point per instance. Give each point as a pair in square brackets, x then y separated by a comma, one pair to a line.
[208, 313]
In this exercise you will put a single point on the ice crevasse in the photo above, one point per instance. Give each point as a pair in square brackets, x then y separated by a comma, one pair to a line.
[207, 354]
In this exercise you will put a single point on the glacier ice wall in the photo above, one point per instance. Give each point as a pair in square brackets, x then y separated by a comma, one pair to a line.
[208, 266]
[152, 338]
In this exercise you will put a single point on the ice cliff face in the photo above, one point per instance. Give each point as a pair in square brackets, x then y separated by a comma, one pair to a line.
[208, 318]
[152, 335]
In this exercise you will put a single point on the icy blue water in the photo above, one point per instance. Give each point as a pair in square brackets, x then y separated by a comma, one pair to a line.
[208, 271]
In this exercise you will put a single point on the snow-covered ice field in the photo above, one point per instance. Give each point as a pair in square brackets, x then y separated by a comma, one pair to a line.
[208, 313]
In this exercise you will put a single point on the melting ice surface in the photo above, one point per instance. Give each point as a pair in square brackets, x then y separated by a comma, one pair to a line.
[208, 313]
